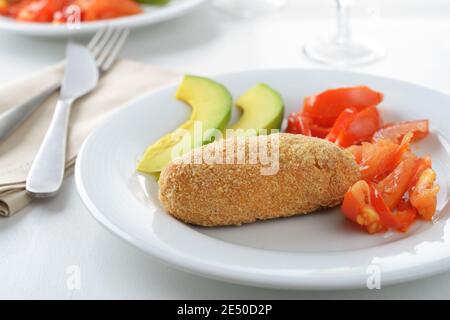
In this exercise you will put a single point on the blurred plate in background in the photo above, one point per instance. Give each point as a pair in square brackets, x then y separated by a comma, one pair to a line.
[151, 15]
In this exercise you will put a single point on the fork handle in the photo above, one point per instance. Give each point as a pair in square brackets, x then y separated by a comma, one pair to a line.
[11, 118]
[47, 171]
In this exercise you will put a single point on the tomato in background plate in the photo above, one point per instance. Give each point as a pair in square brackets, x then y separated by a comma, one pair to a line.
[107, 9]
[4, 7]
[40, 10]
[325, 107]
[55, 10]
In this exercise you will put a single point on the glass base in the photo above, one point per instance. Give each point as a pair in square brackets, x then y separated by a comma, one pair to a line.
[248, 8]
[330, 52]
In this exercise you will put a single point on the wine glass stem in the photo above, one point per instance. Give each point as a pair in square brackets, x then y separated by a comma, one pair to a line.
[343, 23]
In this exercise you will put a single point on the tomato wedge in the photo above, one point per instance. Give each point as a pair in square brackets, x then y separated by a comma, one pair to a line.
[356, 151]
[401, 220]
[355, 199]
[382, 157]
[325, 107]
[341, 124]
[424, 163]
[316, 130]
[424, 194]
[406, 215]
[358, 208]
[360, 127]
[397, 131]
[364, 204]
[297, 124]
[393, 187]
[375, 158]
[383, 210]
[293, 126]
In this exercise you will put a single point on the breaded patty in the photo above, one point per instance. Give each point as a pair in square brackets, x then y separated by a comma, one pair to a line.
[312, 174]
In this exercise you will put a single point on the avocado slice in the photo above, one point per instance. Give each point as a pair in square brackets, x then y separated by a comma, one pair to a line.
[211, 105]
[262, 107]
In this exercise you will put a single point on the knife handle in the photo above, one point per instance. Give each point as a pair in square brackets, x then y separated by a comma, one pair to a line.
[13, 117]
[47, 171]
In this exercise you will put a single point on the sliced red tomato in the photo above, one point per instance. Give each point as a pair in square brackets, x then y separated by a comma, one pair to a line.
[15, 7]
[107, 9]
[424, 194]
[293, 126]
[324, 108]
[318, 131]
[400, 220]
[356, 151]
[424, 163]
[401, 153]
[396, 184]
[341, 123]
[383, 210]
[358, 208]
[380, 158]
[355, 199]
[397, 131]
[364, 205]
[4, 10]
[360, 127]
[40, 10]
[376, 157]
[406, 214]
[298, 124]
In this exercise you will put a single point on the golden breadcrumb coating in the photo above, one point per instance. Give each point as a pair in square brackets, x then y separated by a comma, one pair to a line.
[313, 173]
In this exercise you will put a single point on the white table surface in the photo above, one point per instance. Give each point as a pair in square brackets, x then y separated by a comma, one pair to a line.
[38, 245]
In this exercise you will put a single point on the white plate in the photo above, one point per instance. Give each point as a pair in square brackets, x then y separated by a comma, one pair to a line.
[317, 251]
[151, 15]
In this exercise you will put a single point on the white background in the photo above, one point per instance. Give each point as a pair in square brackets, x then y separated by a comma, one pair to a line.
[38, 245]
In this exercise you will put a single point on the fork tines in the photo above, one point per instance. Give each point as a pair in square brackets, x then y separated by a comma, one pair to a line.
[106, 45]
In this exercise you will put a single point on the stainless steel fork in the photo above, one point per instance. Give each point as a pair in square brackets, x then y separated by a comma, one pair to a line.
[105, 46]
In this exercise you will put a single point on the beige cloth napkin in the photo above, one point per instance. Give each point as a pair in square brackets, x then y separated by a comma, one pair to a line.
[125, 82]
